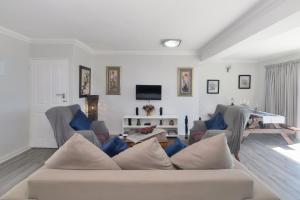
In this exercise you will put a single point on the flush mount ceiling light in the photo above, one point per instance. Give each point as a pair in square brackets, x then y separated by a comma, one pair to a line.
[170, 43]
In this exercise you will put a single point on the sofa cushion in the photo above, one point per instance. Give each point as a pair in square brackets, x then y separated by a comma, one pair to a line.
[217, 122]
[114, 146]
[80, 121]
[146, 155]
[174, 148]
[79, 153]
[210, 153]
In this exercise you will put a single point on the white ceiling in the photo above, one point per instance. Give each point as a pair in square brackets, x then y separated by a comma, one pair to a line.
[278, 40]
[123, 25]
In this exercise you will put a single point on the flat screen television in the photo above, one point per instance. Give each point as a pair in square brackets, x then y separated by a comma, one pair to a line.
[148, 92]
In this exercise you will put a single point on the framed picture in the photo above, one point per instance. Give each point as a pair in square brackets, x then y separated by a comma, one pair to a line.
[113, 80]
[244, 81]
[212, 86]
[84, 81]
[185, 82]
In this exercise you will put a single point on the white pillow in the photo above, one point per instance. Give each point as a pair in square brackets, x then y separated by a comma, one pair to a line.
[79, 153]
[210, 153]
[146, 155]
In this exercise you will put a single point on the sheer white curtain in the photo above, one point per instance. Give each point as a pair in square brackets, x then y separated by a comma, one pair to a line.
[281, 90]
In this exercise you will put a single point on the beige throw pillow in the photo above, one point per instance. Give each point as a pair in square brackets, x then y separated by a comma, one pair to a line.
[210, 153]
[79, 153]
[146, 155]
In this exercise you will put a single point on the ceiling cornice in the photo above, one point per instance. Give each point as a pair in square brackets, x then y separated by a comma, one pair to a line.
[262, 15]
[74, 42]
[12, 34]
[84, 46]
[151, 53]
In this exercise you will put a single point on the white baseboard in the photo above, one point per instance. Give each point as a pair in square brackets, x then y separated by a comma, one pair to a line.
[13, 154]
[43, 143]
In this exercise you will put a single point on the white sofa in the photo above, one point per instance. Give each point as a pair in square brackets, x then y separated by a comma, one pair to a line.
[227, 184]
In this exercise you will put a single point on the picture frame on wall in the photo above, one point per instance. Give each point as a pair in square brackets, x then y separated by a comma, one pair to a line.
[84, 81]
[185, 82]
[113, 85]
[244, 81]
[213, 86]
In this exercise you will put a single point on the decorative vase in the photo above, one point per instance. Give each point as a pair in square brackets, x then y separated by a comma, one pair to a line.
[148, 109]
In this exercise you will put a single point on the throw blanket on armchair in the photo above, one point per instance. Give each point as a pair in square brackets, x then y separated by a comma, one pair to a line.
[236, 118]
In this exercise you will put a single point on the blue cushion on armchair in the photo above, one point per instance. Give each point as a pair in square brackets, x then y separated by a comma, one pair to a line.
[80, 122]
[114, 146]
[217, 122]
[174, 148]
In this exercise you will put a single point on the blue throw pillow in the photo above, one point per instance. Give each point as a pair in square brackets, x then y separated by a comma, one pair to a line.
[217, 122]
[114, 146]
[80, 122]
[174, 148]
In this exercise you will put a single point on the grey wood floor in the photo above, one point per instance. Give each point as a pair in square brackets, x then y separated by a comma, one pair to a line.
[281, 173]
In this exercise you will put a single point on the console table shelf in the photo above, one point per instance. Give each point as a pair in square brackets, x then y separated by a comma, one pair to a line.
[172, 129]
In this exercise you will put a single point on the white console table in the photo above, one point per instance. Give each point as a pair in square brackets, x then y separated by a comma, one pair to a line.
[154, 121]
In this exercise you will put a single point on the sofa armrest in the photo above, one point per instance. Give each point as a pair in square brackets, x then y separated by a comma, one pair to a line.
[230, 184]
[89, 135]
[100, 130]
[199, 125]
[211, 133]
[18, 192]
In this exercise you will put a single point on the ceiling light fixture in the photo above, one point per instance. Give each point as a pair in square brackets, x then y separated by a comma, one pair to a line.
[170, 43]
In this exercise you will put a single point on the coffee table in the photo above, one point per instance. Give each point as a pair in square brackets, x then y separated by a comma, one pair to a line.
[162, 139]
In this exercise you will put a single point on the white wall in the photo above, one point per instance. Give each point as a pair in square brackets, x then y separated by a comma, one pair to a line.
[79, 57]
[159, 70]
[229, 85]
[163, 70]
[14, 101]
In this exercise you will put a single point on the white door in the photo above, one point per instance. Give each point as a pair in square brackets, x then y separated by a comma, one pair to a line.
[49, 88]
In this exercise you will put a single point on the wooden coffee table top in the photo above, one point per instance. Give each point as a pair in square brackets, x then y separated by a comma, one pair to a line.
[162, 139]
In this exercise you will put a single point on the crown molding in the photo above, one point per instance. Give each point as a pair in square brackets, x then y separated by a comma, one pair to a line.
[63, 41]
[12, 34]
[147, 53]
[280, 57]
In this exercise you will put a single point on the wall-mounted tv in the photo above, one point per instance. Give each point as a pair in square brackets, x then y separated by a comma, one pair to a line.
[148, 92]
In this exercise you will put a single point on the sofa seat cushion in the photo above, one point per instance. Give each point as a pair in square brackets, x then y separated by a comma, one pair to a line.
[79, 153]
[80, 121]
[49, 184]
[145, 155]
[210, 153]
[217, 122]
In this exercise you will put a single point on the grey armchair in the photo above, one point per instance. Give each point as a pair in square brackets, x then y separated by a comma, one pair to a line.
[236, 118]
[60, 117]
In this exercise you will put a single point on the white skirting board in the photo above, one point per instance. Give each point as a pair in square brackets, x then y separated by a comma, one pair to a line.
[42, 143]
[13, 154]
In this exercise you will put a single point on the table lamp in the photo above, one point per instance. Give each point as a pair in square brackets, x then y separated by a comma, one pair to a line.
[92, 107]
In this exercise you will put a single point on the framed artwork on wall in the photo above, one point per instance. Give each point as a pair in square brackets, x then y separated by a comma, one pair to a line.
[84, 81]
[213, 86]
[185, 82]
[113, 86]
[244, 81]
